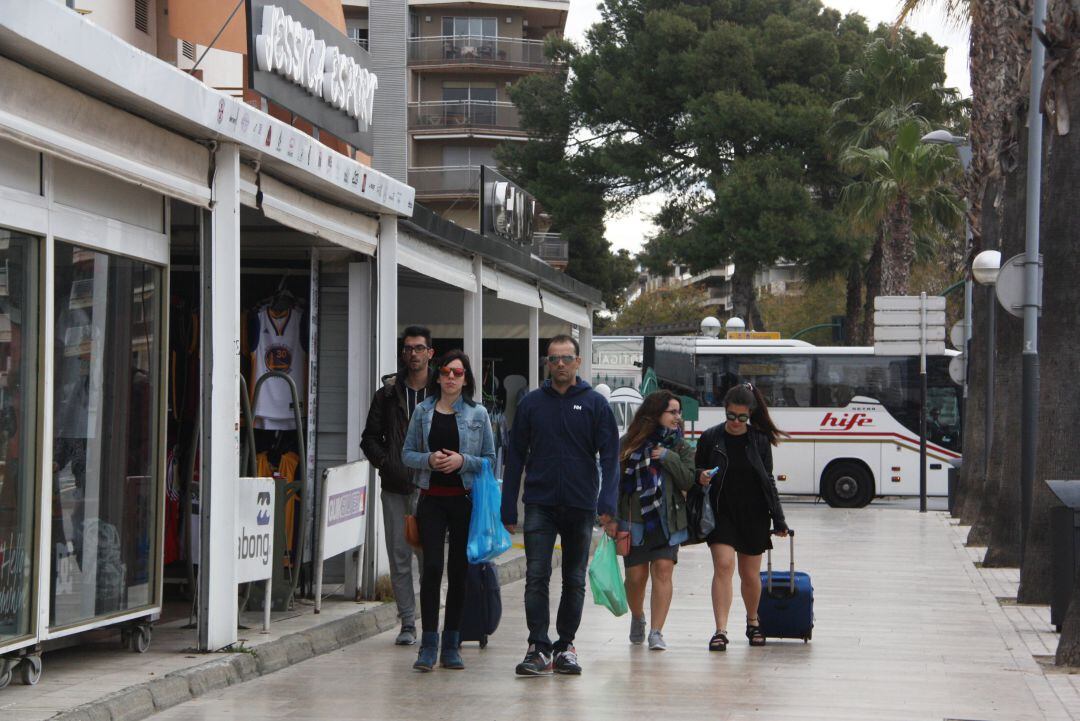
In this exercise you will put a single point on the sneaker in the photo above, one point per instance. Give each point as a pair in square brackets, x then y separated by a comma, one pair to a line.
[536, 663]
[656, 641]
[637, 630]
[407, 636]
[566, 662]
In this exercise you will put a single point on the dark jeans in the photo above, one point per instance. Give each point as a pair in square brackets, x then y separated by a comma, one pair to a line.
[436, 515]
[574, 527]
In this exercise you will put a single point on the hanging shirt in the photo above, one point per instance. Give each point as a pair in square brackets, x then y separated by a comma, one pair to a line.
[279, 348]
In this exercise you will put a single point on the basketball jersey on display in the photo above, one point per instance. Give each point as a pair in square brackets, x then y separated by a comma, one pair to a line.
[279, 349]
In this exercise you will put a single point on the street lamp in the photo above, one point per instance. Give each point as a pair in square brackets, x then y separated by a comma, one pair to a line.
[963, 152]
[985, 268]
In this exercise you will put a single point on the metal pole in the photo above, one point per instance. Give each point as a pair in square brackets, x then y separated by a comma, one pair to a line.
[922, 402]
[320, 540]
[1029, 409]
[991, 351]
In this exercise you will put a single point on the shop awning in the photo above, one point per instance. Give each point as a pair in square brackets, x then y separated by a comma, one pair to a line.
[48, 116]
[566, 310]
[288, 206]
[509, 288]
[434, 262]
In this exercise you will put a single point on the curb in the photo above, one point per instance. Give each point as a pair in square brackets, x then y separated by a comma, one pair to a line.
[145, 699]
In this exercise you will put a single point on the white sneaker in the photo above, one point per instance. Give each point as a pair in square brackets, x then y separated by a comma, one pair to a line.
[656, 641]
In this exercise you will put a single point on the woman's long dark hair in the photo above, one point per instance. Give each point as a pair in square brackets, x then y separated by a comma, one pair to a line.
[747, 394]
[435, 390]
[645, 421]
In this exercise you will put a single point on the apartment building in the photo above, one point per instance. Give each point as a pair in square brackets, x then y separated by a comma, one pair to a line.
[461, 60]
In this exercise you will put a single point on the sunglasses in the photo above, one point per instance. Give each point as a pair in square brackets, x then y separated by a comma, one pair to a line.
[447, 371]
[414, 349]
[740, 417]
[555, 359]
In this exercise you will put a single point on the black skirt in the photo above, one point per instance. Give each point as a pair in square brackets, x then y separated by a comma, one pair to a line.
[742, 515]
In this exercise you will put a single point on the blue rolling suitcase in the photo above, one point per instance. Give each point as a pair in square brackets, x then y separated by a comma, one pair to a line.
[483, 603]
[787, 601]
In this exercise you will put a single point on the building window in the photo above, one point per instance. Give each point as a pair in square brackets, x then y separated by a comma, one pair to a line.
[414, 25]
[188, 49]
[475, 27]
[142, 15]
[104, 478]
[18, 373]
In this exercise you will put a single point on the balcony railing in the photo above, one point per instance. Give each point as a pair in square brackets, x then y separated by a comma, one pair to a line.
[477, 50]
[463, 114]
[450, 180]
[551, 248]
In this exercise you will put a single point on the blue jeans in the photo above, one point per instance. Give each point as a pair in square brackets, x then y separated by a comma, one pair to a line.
[574, 527]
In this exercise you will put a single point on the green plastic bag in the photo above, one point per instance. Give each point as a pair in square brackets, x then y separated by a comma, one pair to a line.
[606, 578]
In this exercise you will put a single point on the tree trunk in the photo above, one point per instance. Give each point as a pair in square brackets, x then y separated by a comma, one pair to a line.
[1001, 516]
[873, 285]
[744, 297]
[972, 483]
[899, 250]
[854, 306]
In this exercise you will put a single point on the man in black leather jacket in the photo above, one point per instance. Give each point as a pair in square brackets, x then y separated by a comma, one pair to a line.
[383, 437]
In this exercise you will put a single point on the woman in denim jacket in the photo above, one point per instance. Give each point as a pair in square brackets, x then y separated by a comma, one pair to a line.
[449, 437]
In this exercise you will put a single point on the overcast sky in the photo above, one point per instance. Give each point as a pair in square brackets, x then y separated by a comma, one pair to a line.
[630, 229]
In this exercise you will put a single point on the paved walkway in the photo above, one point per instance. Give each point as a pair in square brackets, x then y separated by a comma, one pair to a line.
[907, 629]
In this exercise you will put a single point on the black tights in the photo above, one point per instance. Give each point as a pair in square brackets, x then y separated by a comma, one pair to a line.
[437, 515]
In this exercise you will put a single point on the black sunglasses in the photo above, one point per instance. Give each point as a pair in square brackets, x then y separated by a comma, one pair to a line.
[554, 359]
[740, 417]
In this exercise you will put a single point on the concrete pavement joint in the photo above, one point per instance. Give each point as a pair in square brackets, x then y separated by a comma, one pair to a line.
[143, 700]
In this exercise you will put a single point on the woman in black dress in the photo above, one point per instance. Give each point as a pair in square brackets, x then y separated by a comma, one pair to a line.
[735, 460]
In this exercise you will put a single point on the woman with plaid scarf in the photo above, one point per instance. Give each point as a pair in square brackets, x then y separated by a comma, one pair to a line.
[657, 469]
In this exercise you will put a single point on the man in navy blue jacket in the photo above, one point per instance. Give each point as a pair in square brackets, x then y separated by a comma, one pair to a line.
[559, 429]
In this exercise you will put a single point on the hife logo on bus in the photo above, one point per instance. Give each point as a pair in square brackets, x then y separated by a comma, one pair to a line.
[846, 421]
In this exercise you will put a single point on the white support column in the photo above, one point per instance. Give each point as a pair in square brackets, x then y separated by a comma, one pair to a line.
[387, 259]
[474, 326]
[360, 386]
[386, 361]
[585, 341]
[534, 348]
[360, 383]
[220, 438]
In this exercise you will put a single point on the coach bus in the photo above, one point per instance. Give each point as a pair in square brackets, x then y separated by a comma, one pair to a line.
[851, 418]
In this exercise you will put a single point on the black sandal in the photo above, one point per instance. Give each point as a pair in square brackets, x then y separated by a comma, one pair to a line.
[718, 642]
[754, 634]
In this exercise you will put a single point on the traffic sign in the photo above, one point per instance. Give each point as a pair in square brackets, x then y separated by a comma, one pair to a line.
[908, 332]
[909, 317]
[908, 302]
[958, 334]
[906, 347]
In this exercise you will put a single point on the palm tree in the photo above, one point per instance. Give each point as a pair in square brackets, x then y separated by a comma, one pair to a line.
[902, 195]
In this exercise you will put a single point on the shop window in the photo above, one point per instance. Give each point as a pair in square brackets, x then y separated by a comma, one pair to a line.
[104, 476]
[18, 392]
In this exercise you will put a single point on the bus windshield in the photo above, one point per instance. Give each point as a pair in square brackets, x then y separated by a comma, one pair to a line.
[823, 381]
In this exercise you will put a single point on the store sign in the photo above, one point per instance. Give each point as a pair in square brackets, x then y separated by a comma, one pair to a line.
[254, 543]
[305, 64]
[507, 212]
[344, 511]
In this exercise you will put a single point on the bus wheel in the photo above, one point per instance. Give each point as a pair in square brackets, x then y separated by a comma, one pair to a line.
[847, 485]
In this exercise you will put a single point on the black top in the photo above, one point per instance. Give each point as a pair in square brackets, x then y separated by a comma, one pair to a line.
[414, 398]
[741, 485]
[444, 437]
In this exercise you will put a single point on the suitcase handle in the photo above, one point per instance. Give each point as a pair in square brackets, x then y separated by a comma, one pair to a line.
[791, 575]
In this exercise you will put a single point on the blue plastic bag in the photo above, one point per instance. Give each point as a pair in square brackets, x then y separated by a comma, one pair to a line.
[488, 537]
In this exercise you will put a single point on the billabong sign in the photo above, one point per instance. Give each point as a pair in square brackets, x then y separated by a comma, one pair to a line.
[254, 529]
[301, 61]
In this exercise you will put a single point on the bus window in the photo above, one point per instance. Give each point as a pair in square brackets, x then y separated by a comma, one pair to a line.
[840, 378]
[943, 405]
[784, 380]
